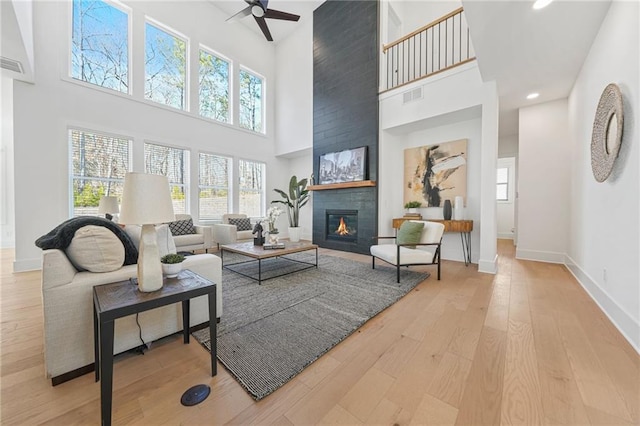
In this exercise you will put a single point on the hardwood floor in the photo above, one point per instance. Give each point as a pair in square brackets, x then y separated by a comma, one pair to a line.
[526, 346]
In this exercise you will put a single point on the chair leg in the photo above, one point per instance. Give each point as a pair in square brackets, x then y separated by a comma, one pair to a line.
[373, 262]
[439, 260]
[398, 273]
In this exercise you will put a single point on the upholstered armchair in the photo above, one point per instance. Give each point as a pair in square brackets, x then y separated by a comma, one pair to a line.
[416, 243]
[188, 236]
[234, 227]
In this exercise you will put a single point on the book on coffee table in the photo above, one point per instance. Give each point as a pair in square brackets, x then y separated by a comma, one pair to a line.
[268, 246]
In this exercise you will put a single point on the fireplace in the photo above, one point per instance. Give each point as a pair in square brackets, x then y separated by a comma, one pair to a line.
[342, 225]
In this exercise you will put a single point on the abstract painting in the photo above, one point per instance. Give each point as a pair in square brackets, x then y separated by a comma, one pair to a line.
[434, 173]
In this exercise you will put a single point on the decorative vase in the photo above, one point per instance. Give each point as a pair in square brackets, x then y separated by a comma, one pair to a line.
[273, 237]
[458, 208]
[446, 210]
[171, 270]
[294, 233]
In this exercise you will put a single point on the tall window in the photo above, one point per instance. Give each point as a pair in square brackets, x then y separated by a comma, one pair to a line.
[174, 164]
[98, 165]
[502, 185]
[214, 87]
[214, 186]
[252, 183]
[251, 95]
[165, 67]
[100, 45]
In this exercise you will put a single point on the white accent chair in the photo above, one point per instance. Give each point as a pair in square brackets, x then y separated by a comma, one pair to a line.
[225, 233]
[201, 240]
[426, 252]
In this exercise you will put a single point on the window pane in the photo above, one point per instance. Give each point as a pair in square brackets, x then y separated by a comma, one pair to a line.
[165, 68]
[251, 200]
[99, 45]
[250, 101]
[214, 87]
[502, 175]
[214, 190]
[98, 166]
[172, 163]
[501, 194]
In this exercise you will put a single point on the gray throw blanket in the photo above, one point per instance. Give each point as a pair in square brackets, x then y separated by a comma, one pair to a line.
[60, 237]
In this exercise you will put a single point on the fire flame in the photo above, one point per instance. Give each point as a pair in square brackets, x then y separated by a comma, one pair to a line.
[342, 229]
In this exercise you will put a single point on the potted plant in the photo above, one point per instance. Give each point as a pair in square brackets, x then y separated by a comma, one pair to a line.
[296, 198]
[411, 206]
[171, 264]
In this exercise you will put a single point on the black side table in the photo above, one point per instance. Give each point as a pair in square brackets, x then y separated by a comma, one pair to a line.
[117, 300]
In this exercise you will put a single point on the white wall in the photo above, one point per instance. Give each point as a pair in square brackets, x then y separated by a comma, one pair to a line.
[416, 14]
[44, 111]
[604, 226]
[543, 182]
[7, 218]
[451, 97]
[508, 146]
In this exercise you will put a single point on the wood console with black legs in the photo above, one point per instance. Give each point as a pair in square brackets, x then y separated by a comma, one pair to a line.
[120, 299]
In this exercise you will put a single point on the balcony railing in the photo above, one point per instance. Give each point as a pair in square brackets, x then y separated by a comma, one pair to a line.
[441, 45]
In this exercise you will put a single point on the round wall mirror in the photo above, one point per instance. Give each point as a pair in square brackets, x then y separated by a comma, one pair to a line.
[607, 132]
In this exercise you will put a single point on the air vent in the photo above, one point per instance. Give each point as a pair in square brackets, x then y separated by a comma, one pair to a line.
[11, 65]
[412, 95]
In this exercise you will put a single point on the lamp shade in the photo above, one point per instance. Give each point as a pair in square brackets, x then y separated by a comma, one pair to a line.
[146, 199]
[108, 205]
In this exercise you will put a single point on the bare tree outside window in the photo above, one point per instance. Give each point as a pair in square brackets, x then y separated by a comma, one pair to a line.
[100, 45]
[172, 163]
[252, 196]
[214, 87]
[214, 186]
[98, 166]
[251, 101]
[165, 67]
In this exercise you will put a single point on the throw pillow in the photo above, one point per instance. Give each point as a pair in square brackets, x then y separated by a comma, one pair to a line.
[166, 244]
[243, 224]
[409, 233]
[96, 249]
[181, 227]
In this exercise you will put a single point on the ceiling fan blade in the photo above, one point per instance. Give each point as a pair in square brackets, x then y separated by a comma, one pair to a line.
[263, 26]
[276, 14]
[238, 16]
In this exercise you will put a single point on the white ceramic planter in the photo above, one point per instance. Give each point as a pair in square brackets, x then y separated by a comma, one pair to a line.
[294, 234]
[171, 270]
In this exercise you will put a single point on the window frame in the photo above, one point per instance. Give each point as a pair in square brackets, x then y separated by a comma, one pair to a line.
[72, 176]
[186, 187]
[263, 193]
[263, 102]
[230, 192]
[506, 184]
[230, 84]
[68, 73]
[187, 68]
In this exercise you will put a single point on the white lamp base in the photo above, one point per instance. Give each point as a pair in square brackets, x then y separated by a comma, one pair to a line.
[149, 267]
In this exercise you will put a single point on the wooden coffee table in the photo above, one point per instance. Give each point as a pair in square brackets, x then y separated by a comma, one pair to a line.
[258, 253]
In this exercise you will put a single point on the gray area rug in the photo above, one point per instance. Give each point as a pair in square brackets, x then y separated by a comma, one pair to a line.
[269, 333]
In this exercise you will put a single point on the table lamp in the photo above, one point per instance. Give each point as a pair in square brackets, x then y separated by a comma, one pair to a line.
[108, 206]
[146, 201]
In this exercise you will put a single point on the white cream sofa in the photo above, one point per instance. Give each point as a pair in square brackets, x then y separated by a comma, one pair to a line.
[201, 240]
[225, 233]
[68, 312]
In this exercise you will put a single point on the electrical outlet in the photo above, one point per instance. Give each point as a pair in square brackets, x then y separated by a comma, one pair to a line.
[604, 275]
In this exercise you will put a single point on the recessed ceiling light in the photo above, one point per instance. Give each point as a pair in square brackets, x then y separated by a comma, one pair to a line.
[533, 95]
[539, 4]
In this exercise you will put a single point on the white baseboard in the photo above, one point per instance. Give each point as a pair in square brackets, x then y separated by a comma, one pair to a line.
[621, 319]
[488, 266]
[27, 265]
[505, 235]
[540, 256]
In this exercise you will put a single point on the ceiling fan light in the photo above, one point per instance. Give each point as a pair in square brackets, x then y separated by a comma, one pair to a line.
[257, 11]
[539, 4]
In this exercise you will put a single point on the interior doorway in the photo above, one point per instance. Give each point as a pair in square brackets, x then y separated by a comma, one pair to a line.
[506, 198]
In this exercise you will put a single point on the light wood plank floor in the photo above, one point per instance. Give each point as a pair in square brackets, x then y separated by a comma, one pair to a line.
[526, 346]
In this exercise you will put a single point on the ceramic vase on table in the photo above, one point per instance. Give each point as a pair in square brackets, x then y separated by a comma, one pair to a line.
[171, 270]
[446, 211]
[273, 237]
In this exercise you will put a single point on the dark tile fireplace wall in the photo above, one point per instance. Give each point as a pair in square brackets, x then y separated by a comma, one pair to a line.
[345, 110]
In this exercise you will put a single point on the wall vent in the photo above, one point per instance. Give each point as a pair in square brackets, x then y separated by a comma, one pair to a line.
[11, 65]
[412, 95]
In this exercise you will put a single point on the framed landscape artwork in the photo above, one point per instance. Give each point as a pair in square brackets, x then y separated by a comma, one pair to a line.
[344, 166]
[434, 173]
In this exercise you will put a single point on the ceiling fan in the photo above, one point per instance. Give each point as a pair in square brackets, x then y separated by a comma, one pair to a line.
[260, 11]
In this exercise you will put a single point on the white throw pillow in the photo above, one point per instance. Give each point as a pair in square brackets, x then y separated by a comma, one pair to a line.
[164, 238]
[96, 249]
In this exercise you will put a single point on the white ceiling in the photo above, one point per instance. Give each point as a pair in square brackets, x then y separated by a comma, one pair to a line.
[526, 50]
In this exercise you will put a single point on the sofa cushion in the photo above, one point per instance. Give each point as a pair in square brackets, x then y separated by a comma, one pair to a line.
[409, 233]
[243, 224]
[181, 227]
[166, 244]
[95, 249]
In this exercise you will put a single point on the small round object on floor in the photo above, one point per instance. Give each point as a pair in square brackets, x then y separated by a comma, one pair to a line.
[195, 395]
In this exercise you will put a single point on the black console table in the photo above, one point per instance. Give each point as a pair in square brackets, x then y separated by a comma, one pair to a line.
[117, 300]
